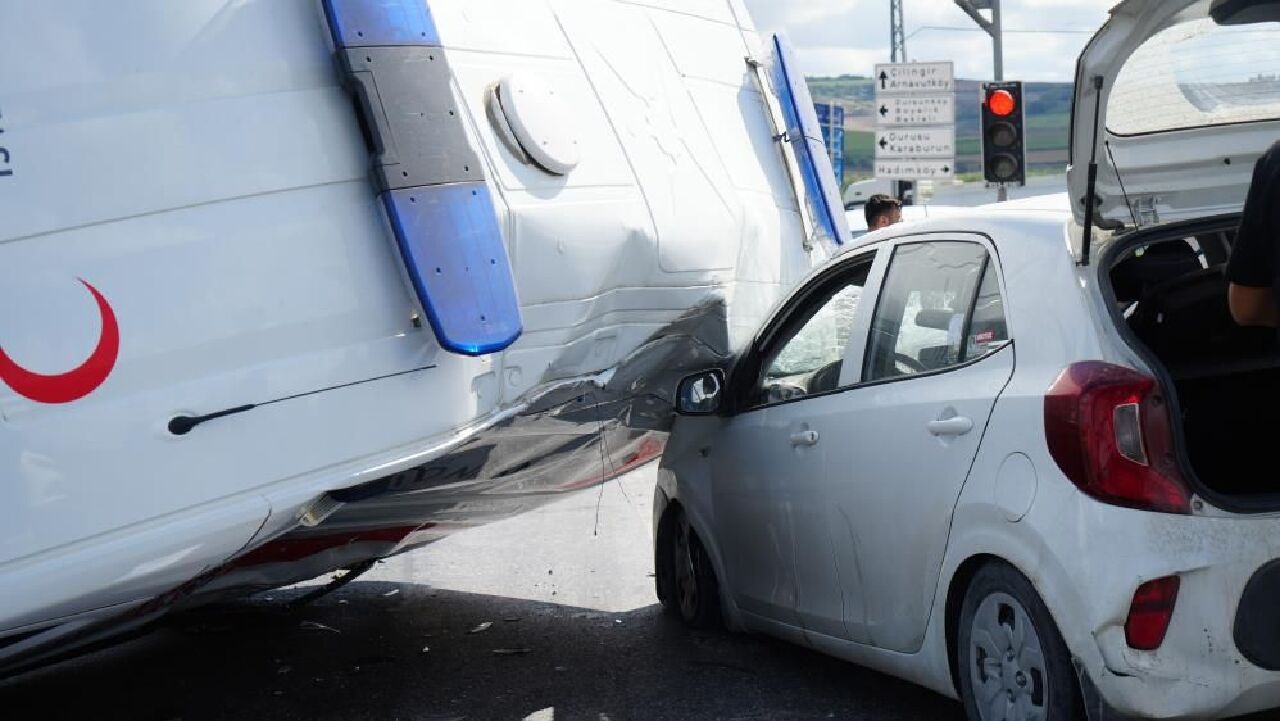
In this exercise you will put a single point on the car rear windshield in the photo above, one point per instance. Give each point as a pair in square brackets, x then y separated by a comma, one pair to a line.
[1196, 74]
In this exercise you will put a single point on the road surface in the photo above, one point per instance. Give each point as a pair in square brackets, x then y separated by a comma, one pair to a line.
[575, 633]
[566, 627]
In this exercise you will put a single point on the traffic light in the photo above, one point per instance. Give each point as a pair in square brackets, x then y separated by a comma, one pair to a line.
[1004, 149]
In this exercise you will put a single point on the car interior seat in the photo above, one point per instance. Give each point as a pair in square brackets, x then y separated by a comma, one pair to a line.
[1182, 312]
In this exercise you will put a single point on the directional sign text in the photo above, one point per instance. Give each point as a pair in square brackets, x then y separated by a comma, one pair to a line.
[916, 110]
[939, 142]
[909, 169]
[914, 78]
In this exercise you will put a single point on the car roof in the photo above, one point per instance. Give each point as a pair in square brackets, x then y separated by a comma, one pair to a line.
[1014, 229]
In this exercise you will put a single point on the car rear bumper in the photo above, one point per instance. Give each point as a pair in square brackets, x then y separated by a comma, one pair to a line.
[1202, 670]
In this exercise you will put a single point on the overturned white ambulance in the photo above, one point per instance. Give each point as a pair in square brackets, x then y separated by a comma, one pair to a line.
[289, 286]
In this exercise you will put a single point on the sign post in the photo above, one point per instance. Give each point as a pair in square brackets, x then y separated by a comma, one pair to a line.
[995, 28]
[831, 118]
[915, 112]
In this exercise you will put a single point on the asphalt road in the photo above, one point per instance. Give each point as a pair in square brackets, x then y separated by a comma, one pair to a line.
[576, 633]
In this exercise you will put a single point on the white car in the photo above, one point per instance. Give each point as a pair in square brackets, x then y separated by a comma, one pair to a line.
[1015, 461]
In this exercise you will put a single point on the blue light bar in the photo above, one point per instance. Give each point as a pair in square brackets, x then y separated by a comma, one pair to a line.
[453, 250]
[822, 192]
[363, 23]
[443, 217]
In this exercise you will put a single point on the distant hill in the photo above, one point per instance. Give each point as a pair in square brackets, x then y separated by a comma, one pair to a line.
[1048, 118]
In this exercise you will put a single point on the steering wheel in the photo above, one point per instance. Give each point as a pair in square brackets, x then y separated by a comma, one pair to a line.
[911, 364]
[779, 392]
[825, 378]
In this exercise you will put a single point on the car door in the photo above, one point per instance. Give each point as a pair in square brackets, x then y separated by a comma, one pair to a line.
[767, 472]
[937, 356]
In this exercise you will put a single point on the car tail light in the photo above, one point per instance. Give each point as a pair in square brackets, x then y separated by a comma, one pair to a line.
[1108, 429]
[1150, 612]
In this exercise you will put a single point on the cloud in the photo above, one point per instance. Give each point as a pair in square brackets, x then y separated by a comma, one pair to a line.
[834, 37]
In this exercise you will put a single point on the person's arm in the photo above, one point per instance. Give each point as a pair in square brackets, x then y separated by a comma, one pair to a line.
[1253, 306]
[1252, 267]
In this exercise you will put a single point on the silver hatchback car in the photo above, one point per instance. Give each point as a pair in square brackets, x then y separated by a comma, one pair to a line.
[1022, 457]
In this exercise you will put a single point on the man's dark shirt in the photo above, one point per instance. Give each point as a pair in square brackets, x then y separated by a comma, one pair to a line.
[1255, 259]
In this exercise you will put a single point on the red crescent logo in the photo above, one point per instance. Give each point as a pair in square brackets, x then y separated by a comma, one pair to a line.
[78, 382]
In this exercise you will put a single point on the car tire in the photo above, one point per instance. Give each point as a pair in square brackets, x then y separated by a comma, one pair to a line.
[686, 582]
[1011, 660]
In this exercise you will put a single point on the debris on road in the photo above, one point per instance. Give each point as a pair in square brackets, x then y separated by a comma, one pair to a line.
[317, 626]
[482, 627]
[392, 592]
[511, 651]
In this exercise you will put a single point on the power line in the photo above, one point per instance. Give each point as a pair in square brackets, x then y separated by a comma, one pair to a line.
[957, 28]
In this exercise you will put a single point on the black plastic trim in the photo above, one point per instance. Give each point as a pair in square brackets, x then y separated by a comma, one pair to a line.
[1257, 625]
[406, 101]
[1185, 128]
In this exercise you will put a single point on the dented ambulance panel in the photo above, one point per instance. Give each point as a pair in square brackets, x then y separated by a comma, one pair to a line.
[226, 319]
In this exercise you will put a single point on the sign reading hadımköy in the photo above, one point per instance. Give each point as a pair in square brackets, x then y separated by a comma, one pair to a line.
[916, 110]
[914, 169]
[915, 115]
[915, 78]
[931, 142]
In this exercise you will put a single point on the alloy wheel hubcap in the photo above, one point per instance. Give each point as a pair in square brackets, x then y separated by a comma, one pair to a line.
[1007, 662]
[686, 578]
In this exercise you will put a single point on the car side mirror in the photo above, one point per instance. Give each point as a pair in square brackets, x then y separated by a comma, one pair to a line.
[700, 394]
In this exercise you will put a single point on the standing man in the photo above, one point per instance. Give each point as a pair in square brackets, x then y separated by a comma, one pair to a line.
[882, 211]
[1254, 268]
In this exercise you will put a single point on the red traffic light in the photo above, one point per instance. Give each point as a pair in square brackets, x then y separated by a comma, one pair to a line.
[1001, 103]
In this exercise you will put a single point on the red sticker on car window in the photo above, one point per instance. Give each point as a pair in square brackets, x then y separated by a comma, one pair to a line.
[985, 336]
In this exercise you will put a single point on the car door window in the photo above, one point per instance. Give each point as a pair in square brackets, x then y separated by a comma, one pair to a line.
[988, 330]
[923, 318]
[808, 355]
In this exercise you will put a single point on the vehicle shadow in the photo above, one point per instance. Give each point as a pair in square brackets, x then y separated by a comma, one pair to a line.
[375, 650]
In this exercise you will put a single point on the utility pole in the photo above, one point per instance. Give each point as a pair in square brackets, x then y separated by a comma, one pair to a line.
[898, 54]
[897, 33]
[996, 31]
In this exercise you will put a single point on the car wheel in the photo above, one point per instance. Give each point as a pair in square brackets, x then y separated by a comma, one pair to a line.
[1012, 661]
[685, 579]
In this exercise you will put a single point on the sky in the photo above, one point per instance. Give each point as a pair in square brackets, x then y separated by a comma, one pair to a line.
[834, 37]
